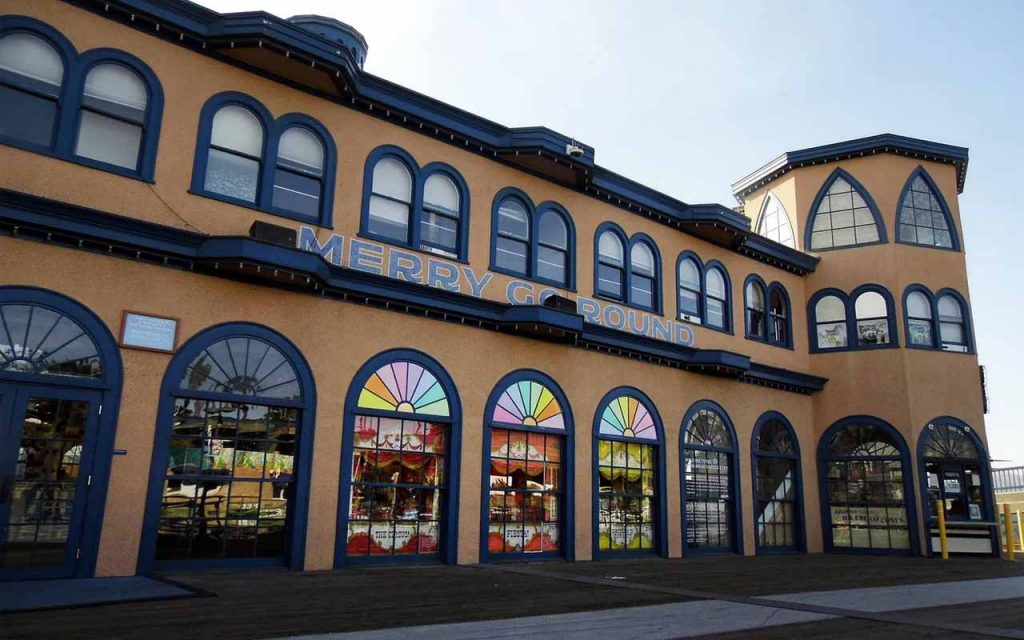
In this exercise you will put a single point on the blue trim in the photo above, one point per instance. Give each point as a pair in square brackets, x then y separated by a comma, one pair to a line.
[965, 311]
[533, 216]
[661, 500]
[812, 324]
[839, 172]
[702, 293]
[729, 324]
[953, 234]
[272, 130]
[462, 248]
[766, 291]
[567, 535]
[850, 308]
[109, 392]
[170, 391]
[881, 143]
[799, 527]
[405, 158]
[69, 100]
[736, 545]
[624, 241]
[986, 479]
[908, 487]
[450, 520]
[643, 238]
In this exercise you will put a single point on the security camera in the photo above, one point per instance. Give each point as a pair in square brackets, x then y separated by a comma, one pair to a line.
[573, 150]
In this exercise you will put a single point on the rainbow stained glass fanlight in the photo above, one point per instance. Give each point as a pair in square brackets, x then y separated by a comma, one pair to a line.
[404, 387]
[626, 416]
[529, 403]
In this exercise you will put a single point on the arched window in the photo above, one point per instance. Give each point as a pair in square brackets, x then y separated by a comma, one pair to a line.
[246, 157]
[920, 323]
[716, 304]
[710, 481]
[390, 207]
[231, 464]
[535, 242]
[442, 214]
[629, 474]
[778, 310]
[643, 276]
[953, 332]
[923, 217]
[774, 223]
[778, 512]
[401, 426]
[39, 340]
[552, 248]
[873, 319]
[843, 215]
[956, 473]
[756, 316]
[113, 113]
[31, 81]
[864, 463]
[690, 296]
[528, 459]
[298, 183]
[611, 265]
[829, 322]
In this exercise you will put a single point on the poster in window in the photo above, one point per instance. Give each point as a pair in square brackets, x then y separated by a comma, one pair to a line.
[975, 510]
[951, 484]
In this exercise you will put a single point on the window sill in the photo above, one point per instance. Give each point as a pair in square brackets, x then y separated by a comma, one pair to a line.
[928, 246]
[880, 347]
[254, 207]
[779, 345]
[690, 323]
[391, 242]
[605, 298]
[920, 347]
[83, 162]
[508, 272]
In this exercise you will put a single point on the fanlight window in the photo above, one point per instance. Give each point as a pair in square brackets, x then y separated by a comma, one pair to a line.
[35, 339]
[243, 366]
[863, 441]
[949, 442]
[775, 437]
[922, 219]
[530, 404]
[707, 429]
[627, 417]
[405, 387]
[775, 223]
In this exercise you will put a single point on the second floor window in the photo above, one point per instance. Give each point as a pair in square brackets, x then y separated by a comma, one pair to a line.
[235, 155]
[298, 180]
[31, 80]
[113, 113]
[768, 314]
[534, 242]
[643, 277]
[689, 290]
[390, 200]
[611, 266]
[512, 244]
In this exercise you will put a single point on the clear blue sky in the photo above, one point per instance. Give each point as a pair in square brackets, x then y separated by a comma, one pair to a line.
[688, 97]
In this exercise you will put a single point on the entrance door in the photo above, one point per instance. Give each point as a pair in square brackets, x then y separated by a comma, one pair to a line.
[46, 442]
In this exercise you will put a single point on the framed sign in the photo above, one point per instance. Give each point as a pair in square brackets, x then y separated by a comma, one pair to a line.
[148, 332]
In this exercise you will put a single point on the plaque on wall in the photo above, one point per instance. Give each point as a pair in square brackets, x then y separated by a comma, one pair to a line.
[153, 333]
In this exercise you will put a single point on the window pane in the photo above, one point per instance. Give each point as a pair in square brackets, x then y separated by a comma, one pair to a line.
[551, 264]
[917, 305]
[873, 331]
[439, 191]
[949, 309]
[236, 128]
[842, 219]
[870, 304]
[831, 335]
[642, 259]
[512, 219]
[755, 296]
[920, 332]
[109, 140]
[830, 309]
[689, 275]
[609, 281]
[715, 283]
[610, 247]
[553, 231]
[116, 90]
[440, 231]
[510, 254]
[300, 150]
[921, 218]
[26, 117]
[641, 292]
[296, 192]
[689, 303]
[952, 333]
[389, 218]
[716, 313]
[31, 57]
[392, 178]
[232, 175]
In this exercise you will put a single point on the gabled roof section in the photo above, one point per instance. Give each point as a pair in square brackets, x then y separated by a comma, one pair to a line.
[882, 143]
[304, 58]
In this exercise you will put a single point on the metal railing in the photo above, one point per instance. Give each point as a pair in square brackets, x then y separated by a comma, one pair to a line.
[1008, 480]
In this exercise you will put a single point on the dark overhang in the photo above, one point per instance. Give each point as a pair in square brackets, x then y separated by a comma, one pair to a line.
[882, 143]
[297, 56]
[266, 264]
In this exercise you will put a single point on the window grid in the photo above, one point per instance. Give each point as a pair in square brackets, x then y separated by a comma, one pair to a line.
[777, 502]
[717, 301]
[867, 504]
[626, 496]
[922, 219]
[525, 503]
[843, 218]
[709, 499]
[690, 297]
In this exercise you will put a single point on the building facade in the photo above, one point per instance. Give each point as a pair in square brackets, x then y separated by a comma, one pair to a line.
[261, 307]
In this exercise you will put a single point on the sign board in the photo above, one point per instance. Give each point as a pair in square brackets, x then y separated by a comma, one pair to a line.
[153, 333]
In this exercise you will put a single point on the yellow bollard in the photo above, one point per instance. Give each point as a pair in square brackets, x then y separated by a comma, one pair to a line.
[1008, 522]
[1020, 530]
[943, 541]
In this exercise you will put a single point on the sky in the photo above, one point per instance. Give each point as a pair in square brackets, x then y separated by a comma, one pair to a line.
[688, 97]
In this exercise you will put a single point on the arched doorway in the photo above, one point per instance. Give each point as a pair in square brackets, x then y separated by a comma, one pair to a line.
[527, 470]
[711, 519]
[60, 378]
[866, 493]
[229, 481]
[778, 488]
[955, 474]
[399, 467]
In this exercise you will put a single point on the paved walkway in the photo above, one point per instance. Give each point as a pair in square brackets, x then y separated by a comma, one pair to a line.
[53, 594]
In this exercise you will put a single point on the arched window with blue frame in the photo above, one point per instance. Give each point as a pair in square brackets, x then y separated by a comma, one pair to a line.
[690, 282]
[703, 292]
[710, 481]
[717, 297]
[843, 215]
[955, 477]
[923, 218]
[873, 317]
[398, 498]
[778, 488]
[644, 274]
[229, 483]
[864, 319]
[60, 384]
[768, 312]
[610, 266]
[629, 476]
[536, 242]
[245, 157]
[101, 108]
[867, 498]
[527, 470]
[936, 320]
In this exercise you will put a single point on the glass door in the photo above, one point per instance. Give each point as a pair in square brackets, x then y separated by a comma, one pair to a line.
[46, 440]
